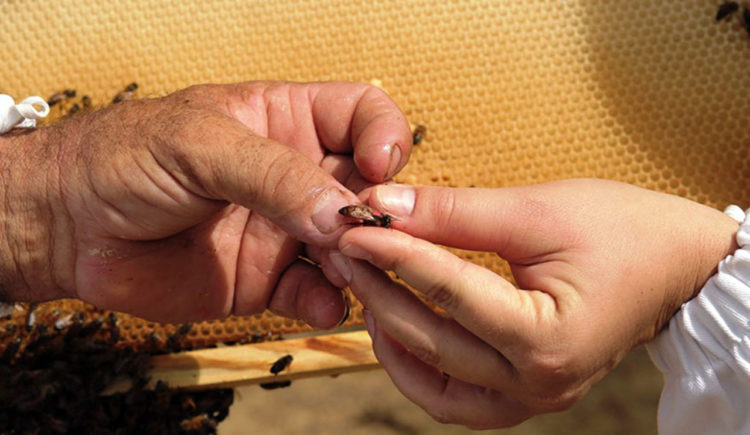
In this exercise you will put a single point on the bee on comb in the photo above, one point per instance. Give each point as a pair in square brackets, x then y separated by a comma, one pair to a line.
[61, 96]
[418, 134]
[726, 9]
[126, 93]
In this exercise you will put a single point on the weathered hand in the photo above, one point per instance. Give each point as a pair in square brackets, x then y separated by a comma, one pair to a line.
[181, 208]
[601, 267]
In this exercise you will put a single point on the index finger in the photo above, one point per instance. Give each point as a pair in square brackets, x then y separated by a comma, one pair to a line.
[480, 300]
[515, 222]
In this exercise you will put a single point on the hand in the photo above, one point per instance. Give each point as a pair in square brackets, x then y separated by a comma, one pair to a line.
[187, 207]
[601, 267]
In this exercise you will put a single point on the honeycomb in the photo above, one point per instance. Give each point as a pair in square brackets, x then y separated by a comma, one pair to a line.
[646, 92]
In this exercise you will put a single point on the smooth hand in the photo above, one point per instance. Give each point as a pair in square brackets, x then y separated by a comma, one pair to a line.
[600, 267]
[191, 206]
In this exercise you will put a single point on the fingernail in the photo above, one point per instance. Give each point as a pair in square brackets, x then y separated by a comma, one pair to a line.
[341, 264]
[355, 252]
[325, 214]
[369, 323]
[347, 311]
[394, 160]
[396, 199]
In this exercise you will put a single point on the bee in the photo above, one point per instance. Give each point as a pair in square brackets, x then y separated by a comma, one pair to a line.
[114, 330]
[63, 322]
[6, 310]
[86, 102]
[418, 134]
[369, 216]
[746, 19]
[61, 96]
[11, 349]
[155, 338]
[184, 329]
[31, 318]
[91, 328]
[281, 364]
[726, 9]
[126, 93]
[173, 341]
[201, 423]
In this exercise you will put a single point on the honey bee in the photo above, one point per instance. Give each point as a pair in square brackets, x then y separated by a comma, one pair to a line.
[31, 318]
[114, 330]
[281, 364]
[174, 339]
[126, 93]
[418, 134]
[61, 96]
[63, 322]
[368, 216]
[726, 9]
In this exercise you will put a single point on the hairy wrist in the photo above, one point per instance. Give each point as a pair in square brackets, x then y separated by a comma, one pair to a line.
[31, 243]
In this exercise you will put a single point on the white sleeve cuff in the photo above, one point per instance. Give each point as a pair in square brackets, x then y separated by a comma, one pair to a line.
[704, 352]
[23, 114]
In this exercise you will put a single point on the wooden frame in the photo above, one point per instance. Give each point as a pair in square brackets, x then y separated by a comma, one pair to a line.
[231, 366]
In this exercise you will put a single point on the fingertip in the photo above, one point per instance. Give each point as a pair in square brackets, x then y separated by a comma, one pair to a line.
[324, 225]
[381, 137]
[323, 306]
[381, 161]
[398, 200]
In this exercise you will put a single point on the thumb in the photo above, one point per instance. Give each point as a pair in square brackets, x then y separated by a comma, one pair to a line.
[515, 222]
[225, 161]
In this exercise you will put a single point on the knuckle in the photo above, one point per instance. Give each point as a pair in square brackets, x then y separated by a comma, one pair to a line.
[442, 294]
[443, 291]
[443, 208]
[551, 364]
[554, 379]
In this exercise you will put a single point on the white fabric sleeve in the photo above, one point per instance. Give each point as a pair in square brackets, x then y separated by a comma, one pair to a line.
[23, 114]
[704, 353]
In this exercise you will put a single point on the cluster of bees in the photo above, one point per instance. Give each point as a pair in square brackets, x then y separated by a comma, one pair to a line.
[66, 101]
[729, 9]
[55, 367]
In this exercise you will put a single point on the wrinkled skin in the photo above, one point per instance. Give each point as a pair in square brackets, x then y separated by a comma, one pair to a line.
[193, 206]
